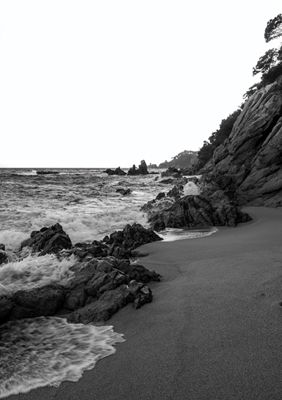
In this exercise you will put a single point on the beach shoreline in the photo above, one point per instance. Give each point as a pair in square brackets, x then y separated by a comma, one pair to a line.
[213, 330]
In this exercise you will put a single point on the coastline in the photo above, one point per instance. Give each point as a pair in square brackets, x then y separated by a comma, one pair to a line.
[213, 330]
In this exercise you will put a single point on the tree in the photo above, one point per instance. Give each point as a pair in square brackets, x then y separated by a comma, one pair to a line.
[273, 28]
[266, 62]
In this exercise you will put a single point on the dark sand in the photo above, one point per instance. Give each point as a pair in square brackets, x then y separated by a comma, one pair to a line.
[213, 331]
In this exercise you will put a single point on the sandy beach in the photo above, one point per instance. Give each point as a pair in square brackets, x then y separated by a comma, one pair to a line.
[213, 331]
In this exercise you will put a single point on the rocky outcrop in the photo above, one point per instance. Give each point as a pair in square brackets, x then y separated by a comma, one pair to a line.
[252, 153]
[117, 171]
[199, 212]
[122, 243]
[141, 170]
[48, 240]
[98, 289]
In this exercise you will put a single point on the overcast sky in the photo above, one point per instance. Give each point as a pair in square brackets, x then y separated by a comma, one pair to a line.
[88, 83]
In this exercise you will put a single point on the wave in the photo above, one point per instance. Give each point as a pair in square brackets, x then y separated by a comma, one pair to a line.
[46, 351]
[172, 234]
[33, 271]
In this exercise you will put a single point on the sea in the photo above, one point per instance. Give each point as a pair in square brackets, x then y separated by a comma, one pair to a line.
[47, 350]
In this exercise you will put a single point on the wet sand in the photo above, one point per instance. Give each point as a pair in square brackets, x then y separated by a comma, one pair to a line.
[213, 331]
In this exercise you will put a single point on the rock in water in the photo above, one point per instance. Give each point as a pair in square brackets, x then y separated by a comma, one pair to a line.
[48, 240]
[142, 169]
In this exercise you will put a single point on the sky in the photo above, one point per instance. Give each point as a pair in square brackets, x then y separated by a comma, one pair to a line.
[108, 83]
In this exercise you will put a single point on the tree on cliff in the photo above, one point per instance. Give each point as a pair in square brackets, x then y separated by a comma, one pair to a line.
[270, 64]
[273, 28]
[206, 151]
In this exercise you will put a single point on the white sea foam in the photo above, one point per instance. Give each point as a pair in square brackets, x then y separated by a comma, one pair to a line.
[191, 189]
[35, 271]
[172, 234]
[47, 351]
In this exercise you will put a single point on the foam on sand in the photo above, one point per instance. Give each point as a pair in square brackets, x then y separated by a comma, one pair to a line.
[172, 234]
[46, 351]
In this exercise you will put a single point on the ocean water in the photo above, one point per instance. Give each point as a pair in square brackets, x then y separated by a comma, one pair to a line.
[46, 351]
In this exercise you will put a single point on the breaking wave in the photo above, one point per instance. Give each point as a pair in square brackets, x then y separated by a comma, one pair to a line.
[171, 234]
[46, 351]
[33, 271]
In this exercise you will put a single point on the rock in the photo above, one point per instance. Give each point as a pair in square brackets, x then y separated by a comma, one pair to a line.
[46, 172]
[132, 236]
[48, 240]
[160, 196]
[6, 306]
[252, 152]
[102, 309]
[110, 302]
[117, 171]
[75, 299]
[124, 192]
[172, 171]
[137, 272]
[2, 246]
[199, 211]
[167, 181]
[37, 302]
[142, 169]
[3, 257]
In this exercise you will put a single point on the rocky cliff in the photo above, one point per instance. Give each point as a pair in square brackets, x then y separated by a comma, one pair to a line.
[252, 154]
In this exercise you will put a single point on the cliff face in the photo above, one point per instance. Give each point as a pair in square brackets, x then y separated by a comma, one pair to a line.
[253, 152]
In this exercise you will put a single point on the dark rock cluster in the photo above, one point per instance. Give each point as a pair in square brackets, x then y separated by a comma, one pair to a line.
[48, 240]
[199, 211]
[104, 279]
[99, 288]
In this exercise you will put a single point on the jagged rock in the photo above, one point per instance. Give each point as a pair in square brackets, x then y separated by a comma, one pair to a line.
[6, 306]
[111, 301]
[160, 196]
[137, 271]
[124, 192]
[141, 170]
[89, 250]
[101, 310]
[199, 211]
[172, 171]
[132, 236]
[154, 206]
[252, 153]
[117, 171]
[3, 257]
[48, 240]
[37, 302]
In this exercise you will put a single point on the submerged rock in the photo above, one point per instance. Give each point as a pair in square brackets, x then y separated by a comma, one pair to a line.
[124, 192]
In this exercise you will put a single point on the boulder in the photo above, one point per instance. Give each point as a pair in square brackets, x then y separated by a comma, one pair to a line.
[132, 236]
[48, 240]
[199, 211]
[137, 272]
[37, 302]
[3, 257]
[117, 171]
[141, 170]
